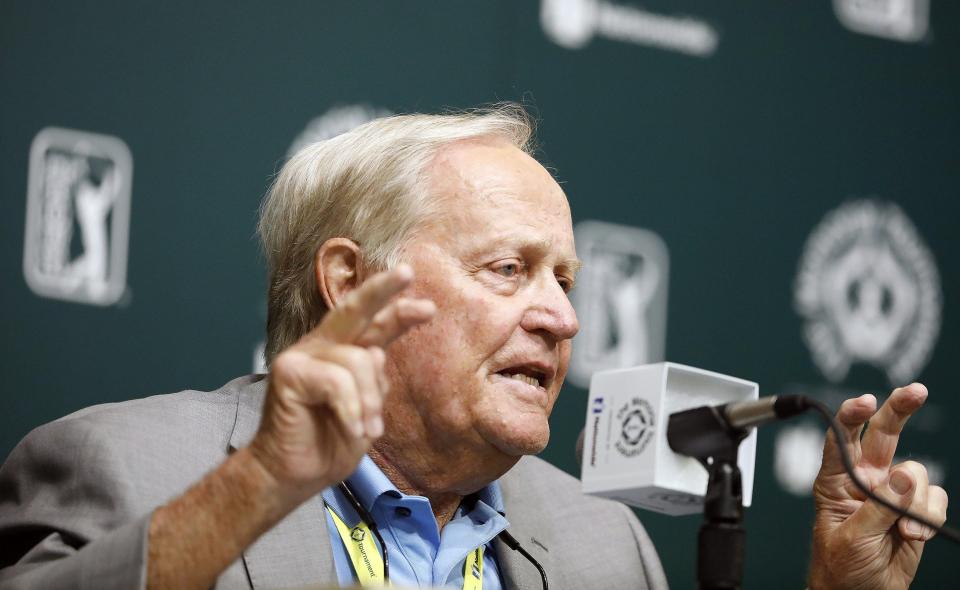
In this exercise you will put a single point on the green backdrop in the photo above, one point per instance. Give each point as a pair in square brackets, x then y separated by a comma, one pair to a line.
[732, 156]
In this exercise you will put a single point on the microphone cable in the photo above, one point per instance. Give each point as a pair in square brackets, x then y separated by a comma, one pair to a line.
[828, 417]
[512, 543]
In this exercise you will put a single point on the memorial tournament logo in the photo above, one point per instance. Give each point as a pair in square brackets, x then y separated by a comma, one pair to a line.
[573, 23]
[899, 20]
[78, 216]
[636, 421]
[869, 291]
[621, 299]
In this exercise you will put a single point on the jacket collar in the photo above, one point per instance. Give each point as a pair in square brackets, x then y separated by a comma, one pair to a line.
[529, 527]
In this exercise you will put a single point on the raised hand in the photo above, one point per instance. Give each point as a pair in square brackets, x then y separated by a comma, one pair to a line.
[326, 392]
[856, 542]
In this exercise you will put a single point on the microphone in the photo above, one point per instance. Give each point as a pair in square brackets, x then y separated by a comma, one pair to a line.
[626, 454]
[699, 431]
[736, 416]
[766, 409]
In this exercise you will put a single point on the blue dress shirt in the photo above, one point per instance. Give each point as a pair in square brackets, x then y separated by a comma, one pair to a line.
[420, 555]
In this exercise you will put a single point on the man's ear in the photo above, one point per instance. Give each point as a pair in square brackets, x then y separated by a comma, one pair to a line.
[338, 269]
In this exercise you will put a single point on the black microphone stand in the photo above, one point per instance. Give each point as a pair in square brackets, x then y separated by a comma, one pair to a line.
[703, 434]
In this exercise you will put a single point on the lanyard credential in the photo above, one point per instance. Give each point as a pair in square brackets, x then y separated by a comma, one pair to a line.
[368, 564]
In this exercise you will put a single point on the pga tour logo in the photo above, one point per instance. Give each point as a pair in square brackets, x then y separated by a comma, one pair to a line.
[78, 216]
[869, 291]
[620, 299]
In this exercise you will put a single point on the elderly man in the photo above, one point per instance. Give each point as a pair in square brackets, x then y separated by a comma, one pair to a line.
[419, 332]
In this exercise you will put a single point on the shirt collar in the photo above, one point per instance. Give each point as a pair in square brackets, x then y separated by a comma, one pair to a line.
[369, 483]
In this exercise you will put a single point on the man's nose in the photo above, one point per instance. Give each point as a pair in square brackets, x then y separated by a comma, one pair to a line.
[550, 310]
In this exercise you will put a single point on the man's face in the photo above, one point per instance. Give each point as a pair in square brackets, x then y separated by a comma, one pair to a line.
[497, 260]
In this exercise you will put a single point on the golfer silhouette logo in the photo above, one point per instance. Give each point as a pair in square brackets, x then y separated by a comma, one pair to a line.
[620, 299]
[78, 214]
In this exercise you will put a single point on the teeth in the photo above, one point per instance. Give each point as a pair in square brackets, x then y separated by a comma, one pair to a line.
[526, 379]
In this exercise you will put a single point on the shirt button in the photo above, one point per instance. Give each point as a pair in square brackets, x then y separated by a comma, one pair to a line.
[403, 511]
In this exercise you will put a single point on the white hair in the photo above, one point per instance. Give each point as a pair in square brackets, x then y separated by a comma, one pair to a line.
[368, 185]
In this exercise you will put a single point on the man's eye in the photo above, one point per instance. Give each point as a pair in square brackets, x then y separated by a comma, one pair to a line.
[508, 270]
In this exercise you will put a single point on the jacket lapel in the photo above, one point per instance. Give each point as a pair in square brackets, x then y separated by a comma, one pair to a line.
[525, 525]
[296, 552]
[516, 572]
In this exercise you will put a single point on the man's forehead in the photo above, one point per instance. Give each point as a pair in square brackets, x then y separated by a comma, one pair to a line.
[480, 161]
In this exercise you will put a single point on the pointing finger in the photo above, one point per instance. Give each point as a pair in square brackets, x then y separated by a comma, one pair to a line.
[883, 434]
[348, 320]
[852, 415]
[395, 319]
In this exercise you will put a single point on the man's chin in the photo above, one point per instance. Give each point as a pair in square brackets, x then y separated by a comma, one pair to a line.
[519, 442]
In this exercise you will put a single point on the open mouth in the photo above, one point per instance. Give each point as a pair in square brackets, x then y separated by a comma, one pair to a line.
[527, 375]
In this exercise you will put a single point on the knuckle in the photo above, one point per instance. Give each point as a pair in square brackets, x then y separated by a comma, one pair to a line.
[357, 358]
[915, 467]
[338, 379]
[285, 363]
[372, 403]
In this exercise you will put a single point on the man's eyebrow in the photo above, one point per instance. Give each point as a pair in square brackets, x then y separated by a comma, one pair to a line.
[571, 264]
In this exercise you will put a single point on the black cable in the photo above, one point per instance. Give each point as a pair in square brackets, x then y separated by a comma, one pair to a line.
[944, 530]
[367, 518]
[512, 543]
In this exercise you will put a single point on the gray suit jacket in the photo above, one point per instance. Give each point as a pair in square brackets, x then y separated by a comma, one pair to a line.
[76, 497]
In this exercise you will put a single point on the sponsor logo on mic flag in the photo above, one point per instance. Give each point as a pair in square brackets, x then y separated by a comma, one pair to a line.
[636, 421]
[598, 405]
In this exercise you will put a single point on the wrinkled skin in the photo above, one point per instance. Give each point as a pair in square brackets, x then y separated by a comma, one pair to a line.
[858, 544]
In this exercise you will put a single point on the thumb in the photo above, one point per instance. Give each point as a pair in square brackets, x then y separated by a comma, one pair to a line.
[871, 517]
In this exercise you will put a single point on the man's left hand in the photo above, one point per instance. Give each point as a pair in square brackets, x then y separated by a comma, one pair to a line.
[856, 542]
